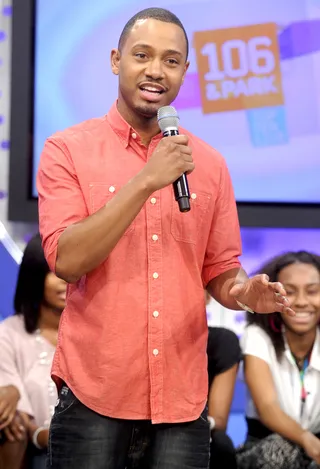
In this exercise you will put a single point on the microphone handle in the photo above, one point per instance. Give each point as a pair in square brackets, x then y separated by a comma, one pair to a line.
[180, 186]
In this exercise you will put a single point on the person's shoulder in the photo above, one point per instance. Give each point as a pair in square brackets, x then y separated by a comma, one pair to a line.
[83, 130]
[223, 348]
[12, 325]
[223, 335]
[89, 125]
[256, 342]
[204, 150]
[254, 333]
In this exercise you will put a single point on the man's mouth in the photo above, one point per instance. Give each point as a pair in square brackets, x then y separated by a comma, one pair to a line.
[156, 89]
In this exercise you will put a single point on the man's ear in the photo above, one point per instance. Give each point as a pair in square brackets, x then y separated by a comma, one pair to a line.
[185, 71]
[115, 61]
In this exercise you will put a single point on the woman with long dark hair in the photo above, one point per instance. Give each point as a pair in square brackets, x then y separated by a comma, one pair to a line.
[282, 371]
[27, 343]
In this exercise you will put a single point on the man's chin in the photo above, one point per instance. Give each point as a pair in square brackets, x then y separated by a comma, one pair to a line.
[148, 111]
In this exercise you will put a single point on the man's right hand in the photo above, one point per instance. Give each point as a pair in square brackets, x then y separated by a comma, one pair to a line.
[311, 445]
[9, 398]
[171, 158]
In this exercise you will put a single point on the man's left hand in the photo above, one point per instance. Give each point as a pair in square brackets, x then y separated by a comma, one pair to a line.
[262, 296]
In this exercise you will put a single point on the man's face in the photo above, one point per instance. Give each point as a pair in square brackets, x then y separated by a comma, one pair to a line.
[151, 66]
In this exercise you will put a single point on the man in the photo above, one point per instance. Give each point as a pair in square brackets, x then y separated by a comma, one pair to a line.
[135, 319]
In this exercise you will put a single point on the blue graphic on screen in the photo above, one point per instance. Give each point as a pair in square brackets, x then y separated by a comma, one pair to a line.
[272, 149]
[268, 126]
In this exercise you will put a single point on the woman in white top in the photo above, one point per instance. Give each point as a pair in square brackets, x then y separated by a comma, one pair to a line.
[27, 344]
[282, 372]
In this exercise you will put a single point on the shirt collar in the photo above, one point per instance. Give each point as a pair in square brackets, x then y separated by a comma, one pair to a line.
[315, 355]
[121, 127]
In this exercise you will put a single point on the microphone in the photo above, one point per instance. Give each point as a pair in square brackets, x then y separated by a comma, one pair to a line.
[168, 121]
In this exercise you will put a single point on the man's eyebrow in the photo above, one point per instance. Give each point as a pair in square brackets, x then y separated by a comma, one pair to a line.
[166, 52]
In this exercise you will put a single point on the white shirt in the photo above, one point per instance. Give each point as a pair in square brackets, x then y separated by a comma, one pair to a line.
[26, 361]
[286, 378]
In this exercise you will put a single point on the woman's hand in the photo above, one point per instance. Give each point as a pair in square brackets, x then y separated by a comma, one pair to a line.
[9, 398]
[17, 429]
[311, 445]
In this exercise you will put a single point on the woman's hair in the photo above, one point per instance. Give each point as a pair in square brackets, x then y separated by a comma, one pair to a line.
[30, 284]
[272, 323]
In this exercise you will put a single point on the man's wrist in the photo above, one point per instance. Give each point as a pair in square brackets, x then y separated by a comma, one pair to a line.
[145, 183]
[245, 307]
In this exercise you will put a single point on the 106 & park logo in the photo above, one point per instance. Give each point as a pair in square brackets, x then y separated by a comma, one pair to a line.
[239, 68]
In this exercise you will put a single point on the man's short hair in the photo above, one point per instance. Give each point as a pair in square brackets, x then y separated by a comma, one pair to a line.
[159, 14]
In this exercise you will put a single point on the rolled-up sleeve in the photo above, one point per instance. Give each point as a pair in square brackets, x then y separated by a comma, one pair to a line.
[224, 244]
[61, 201]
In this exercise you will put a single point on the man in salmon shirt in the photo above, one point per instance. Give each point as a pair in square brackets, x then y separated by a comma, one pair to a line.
[131, 363]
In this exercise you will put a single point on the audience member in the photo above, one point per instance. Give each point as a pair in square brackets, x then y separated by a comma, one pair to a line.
[282, 371]
[27, 344]
[224, 355]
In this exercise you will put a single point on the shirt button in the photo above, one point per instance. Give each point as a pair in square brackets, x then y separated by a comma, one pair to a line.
[111, 189]
[155, 237]
[153, 200]
[193, 196]
[134, 135]
[155, 275]
[155, 314]
[155, 352]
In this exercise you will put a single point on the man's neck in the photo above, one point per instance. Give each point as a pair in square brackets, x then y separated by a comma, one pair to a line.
[147, 128]
[300, 345]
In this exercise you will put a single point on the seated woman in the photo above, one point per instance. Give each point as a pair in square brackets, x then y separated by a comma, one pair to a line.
[282, 371]
[27, 343]
[224, 355]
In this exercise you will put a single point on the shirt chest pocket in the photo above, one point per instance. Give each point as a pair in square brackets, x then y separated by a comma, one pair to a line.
[188, 227]
[100, 195]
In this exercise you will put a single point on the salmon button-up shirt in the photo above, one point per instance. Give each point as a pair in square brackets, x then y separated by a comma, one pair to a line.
[133, 336]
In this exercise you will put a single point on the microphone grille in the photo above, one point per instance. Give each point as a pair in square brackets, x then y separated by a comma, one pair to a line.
[168, 118]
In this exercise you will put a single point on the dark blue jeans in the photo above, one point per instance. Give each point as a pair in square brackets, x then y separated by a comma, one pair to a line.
[82, 439]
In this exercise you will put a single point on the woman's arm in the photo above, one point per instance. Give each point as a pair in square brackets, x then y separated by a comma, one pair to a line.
[220, 397]
[262, 389]
[261, 386]
[10, 375]
[38, 435]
